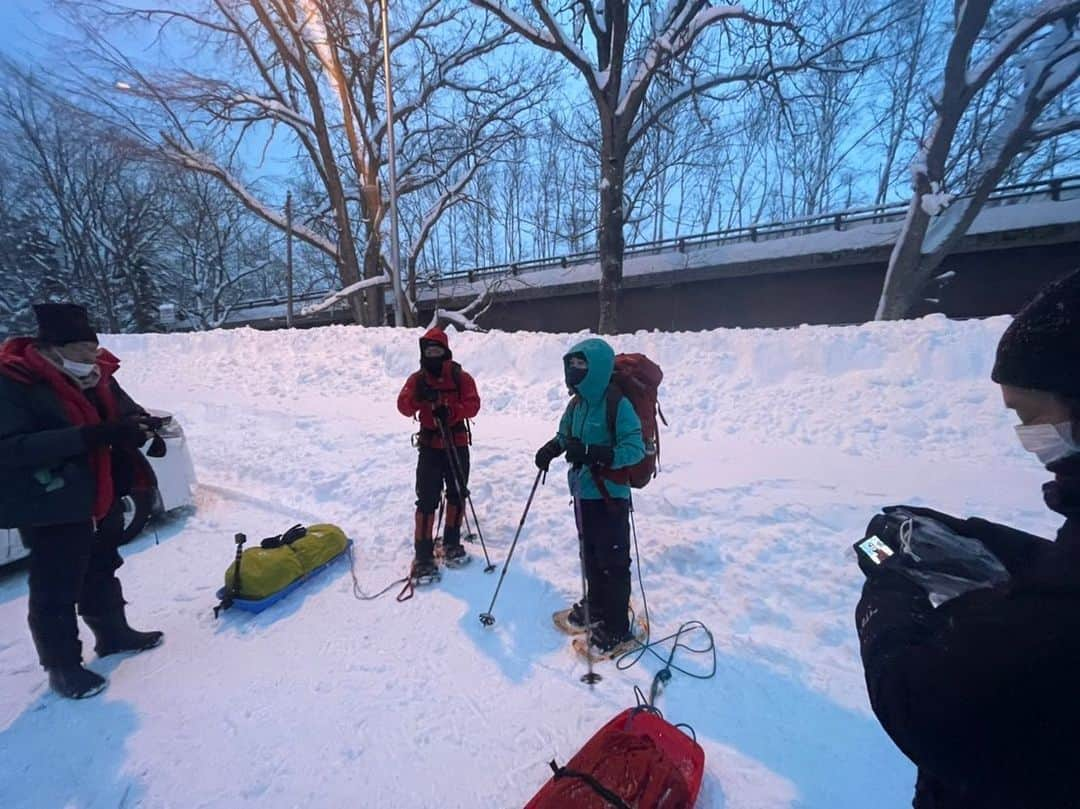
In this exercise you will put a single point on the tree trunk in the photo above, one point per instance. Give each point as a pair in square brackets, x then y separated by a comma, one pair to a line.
[902, 279]
[373, 298]
[610, 243]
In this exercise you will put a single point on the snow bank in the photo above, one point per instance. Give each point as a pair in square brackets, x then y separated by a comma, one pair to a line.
[782, 444]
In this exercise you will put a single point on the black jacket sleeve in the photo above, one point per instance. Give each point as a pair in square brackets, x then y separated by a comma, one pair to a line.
[1017, 550]
[22, 444]
[943, 682]
[125, 404]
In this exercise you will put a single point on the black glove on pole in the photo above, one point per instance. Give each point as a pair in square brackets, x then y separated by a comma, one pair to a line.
[548, 453]
[592, 455]
[424, 391]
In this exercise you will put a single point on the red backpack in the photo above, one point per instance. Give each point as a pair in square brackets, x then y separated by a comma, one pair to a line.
[638, 379]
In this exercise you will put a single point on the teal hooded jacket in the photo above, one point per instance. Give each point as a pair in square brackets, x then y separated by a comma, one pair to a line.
[586, 420]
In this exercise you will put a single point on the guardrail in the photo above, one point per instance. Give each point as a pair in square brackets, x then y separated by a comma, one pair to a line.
[1054, 189]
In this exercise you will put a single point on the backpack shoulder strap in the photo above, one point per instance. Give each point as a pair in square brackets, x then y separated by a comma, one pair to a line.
[613, 395]
[455, 374]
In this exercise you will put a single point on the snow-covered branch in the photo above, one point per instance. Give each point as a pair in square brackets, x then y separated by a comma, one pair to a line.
[676, 36]
[1055, 128]
[185, 157]
[1042, 16]
[467, 316]
[552, 37]
[342, 294]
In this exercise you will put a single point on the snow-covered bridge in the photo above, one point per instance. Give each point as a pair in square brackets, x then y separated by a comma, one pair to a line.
[822, 269]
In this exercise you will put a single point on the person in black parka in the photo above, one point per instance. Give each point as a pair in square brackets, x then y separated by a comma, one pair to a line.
[69, 449]
[982, 692]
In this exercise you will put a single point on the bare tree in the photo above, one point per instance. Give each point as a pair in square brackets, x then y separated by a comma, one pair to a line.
[306, 77]
[214, 247]
[642, 67]
[1042, 44]
[103, 209]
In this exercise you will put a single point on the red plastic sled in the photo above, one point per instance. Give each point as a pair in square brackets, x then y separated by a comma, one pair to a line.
[637, 758]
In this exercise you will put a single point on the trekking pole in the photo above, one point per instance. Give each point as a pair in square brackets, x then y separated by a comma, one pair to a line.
[486, 618]
[591, 677]
[463, 491]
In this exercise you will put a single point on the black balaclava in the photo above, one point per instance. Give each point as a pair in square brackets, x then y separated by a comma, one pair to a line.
[575, 376]
[433, 365]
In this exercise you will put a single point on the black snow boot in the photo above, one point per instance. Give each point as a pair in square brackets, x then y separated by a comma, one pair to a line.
[113, 634]
[75, 682]
[424, 567]
[576, 618]
[453, 553]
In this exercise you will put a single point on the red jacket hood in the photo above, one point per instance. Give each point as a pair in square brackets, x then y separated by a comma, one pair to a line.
[21, 361]
[436, 335]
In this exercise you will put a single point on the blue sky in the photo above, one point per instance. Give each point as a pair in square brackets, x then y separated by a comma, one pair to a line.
[20, 21]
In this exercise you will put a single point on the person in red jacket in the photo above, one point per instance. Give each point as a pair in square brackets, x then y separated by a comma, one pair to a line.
[442, 396]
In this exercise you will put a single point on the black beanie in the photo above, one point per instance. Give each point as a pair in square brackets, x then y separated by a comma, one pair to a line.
[61, 323]
[1041, 348]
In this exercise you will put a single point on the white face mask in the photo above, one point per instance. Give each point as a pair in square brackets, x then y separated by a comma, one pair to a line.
[1050, 442]
[80, 370]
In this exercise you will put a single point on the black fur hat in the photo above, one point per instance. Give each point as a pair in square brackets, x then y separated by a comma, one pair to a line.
[61, 323]
[1041, 348]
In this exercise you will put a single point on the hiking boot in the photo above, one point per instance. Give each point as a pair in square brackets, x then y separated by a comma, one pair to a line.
[113, 634]
[576, 618]
[609, 644]
[75, 682]
[424, 571]
[454, 554]
[424, 568]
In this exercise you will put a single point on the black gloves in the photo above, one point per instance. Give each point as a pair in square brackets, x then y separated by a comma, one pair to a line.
[424, 392]
[442, 413]
[593, 455]
[129, 432]
[548, 453]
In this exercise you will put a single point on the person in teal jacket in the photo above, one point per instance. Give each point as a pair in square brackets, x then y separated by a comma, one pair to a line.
[601, 506]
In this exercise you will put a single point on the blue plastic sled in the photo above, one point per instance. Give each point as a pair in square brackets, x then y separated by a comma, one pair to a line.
[261, 604]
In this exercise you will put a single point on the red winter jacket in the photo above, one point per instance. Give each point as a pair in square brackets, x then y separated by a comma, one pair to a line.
[457, 390]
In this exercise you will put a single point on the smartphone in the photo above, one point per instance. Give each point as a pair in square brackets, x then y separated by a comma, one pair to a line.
[874, 549]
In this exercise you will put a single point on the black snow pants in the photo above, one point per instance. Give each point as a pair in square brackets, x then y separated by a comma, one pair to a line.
[72, 565]
[433, 470]
[605, 531]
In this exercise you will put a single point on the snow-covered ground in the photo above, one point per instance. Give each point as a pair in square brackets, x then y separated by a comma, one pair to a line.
[782, 445]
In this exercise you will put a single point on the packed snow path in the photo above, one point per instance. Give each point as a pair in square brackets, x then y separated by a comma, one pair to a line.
[782, 445]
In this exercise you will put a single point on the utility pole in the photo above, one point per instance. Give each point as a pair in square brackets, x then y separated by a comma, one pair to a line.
[288, 261]
[400, 316]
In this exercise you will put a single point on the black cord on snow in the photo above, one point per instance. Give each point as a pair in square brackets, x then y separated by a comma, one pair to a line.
[360, 595]
[663, 676]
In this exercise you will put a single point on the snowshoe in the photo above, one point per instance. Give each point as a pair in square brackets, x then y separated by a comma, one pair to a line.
[455, 556]
[424, 572]
[572, 621]
[606, 646]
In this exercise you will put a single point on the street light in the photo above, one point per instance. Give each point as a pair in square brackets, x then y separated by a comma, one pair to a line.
[395, 251]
